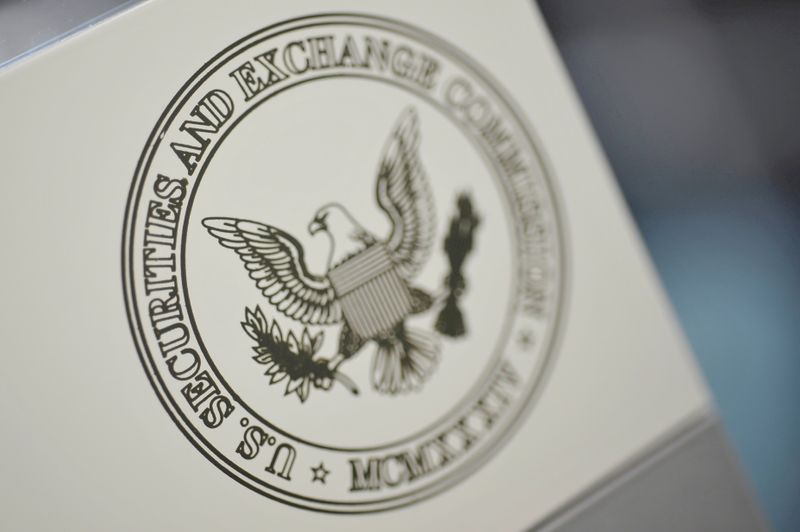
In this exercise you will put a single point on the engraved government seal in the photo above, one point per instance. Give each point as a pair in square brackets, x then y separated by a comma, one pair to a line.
[343, 263]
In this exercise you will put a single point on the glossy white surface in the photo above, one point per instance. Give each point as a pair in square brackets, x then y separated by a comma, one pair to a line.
[87, 446]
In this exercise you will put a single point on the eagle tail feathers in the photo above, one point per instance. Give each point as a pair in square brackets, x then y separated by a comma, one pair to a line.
[404, 360]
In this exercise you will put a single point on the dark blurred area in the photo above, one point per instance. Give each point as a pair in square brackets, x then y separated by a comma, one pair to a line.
[696, 104]
[30, 25]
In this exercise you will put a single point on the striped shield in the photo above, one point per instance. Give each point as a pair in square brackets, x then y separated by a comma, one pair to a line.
[373, 295]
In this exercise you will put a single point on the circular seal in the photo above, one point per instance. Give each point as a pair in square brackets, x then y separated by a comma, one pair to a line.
[343, 263]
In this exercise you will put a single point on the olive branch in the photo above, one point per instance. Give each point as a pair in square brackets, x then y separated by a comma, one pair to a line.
[287, 356]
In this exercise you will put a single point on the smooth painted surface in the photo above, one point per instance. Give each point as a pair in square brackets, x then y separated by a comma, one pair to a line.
[692, 483]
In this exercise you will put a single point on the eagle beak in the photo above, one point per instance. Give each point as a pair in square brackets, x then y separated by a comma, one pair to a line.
[316, 226]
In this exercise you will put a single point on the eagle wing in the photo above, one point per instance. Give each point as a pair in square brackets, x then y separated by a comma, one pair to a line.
[274, 260]
[403, 192]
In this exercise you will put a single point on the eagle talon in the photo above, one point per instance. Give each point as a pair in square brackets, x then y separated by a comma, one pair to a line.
[335, 362]
[323, 383]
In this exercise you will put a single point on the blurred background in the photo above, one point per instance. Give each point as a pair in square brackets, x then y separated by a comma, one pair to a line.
[696, 103]
[697, 106]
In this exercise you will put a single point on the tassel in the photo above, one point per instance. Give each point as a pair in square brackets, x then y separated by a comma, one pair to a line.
[451, 320]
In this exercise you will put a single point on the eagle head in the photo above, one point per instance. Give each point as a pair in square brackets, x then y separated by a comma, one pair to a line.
[347, 236]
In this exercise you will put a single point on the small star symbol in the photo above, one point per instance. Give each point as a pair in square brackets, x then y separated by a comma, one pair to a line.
[526, 338]
[320, 473]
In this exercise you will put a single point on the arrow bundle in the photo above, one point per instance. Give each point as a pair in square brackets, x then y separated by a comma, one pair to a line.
[457, 245]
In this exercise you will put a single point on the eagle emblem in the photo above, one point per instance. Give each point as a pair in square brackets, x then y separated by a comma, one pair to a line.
[368, 287]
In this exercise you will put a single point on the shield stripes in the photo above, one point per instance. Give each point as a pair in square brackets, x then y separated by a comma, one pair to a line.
[373, 295]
